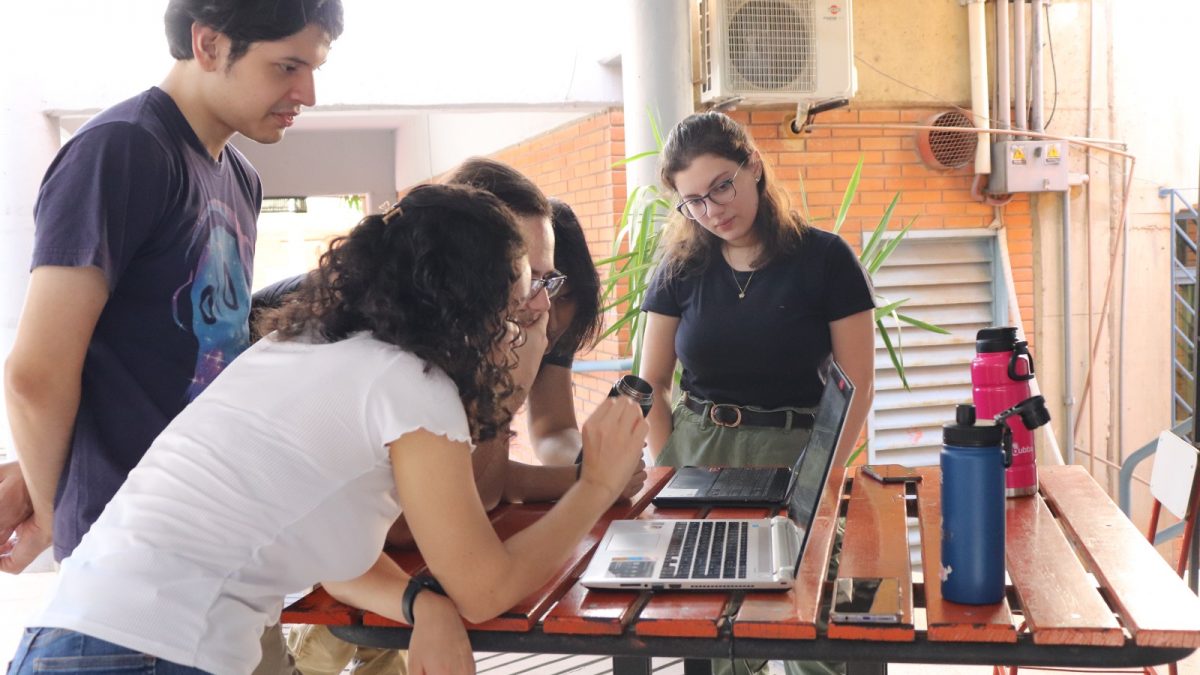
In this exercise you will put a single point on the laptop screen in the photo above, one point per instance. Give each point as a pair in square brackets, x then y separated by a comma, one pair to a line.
[818, 454]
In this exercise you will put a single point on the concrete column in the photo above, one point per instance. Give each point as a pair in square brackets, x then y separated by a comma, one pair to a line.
[656, 76]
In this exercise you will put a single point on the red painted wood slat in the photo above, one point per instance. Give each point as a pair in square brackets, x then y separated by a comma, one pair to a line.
[1155, 605]
[949, 621]
[876, 545]
[1060, 603]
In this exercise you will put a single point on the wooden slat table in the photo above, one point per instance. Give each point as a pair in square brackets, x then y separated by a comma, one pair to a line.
[1086, 590]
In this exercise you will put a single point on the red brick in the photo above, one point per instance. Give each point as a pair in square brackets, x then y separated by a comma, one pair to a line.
[879, 116]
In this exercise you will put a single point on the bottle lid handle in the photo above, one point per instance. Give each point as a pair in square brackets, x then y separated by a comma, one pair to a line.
[1020, 349]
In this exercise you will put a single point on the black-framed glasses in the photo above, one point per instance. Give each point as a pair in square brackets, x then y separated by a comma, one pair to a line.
[721, 194]
[553, 283]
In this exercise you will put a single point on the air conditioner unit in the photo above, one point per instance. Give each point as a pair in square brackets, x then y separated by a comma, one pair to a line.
[773, 51]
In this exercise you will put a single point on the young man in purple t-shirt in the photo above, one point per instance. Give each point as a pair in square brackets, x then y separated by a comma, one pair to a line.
[145, 227]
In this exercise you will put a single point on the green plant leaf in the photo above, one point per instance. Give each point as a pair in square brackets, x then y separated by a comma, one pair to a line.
[897, 361]
[881, 312]
[851, 188]
[634, 158]
[618, 325]
[922, 325]
[658, 139]
[869, 250]
[891, 246]
[857, 451]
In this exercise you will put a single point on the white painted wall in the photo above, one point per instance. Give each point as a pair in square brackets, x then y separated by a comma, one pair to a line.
[316, 163]
[1141, 96]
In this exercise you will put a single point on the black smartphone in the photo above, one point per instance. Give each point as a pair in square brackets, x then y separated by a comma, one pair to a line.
[892, 473]
[866, 600]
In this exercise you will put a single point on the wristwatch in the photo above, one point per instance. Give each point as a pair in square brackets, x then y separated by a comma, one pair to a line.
[417, 584]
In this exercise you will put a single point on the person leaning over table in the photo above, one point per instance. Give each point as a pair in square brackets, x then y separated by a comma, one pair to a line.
[750, 299]
[574, 321]
[396, 360]
[142, 259]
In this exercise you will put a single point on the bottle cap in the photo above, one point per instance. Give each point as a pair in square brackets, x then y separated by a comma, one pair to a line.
[997, 339]
[966, 433]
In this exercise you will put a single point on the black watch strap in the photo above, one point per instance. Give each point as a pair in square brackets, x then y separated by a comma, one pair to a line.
[417, 584]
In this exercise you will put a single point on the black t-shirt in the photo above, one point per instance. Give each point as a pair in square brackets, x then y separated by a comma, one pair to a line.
[763, 349]
[137, 195]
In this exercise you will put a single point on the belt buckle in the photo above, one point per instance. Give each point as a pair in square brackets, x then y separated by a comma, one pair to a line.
[712, 415]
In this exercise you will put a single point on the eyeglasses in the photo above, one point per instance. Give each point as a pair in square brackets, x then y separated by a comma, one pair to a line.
[722, 193]
[553, 283]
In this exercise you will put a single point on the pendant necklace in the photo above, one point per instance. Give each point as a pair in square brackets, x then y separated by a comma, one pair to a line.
[740, 287]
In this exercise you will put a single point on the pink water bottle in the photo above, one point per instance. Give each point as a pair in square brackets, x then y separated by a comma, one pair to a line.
[1000, 375]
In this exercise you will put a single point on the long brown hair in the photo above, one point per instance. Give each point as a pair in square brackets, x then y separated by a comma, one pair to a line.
[688, 247]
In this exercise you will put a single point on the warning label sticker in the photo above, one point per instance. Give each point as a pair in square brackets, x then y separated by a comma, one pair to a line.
[1017, 155]
[1053, 154]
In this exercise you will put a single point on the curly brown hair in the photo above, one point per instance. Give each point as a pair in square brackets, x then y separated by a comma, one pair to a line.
[688, 247]
[432, 276]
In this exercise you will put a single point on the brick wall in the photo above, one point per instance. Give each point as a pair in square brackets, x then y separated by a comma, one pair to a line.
[937, 199]
[575, 164]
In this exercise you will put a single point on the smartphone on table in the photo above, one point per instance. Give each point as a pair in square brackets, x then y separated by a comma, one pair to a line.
[865, 600]
[892, 473]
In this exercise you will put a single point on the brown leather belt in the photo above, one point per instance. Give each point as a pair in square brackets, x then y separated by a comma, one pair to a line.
[729, 415]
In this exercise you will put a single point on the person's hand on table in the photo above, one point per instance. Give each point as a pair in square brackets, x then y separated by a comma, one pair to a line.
[439, 644]
[636, 481]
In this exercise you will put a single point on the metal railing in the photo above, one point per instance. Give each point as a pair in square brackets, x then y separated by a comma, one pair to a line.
[1184, 252]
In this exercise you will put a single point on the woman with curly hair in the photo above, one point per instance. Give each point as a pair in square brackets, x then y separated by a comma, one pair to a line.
[288, 470]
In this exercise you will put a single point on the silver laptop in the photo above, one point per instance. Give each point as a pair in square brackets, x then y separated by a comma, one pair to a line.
[759, 553]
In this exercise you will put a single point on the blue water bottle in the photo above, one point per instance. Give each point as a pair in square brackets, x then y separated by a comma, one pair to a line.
[973, 461]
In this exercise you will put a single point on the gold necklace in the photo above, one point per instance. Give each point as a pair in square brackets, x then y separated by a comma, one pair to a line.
[740, 287]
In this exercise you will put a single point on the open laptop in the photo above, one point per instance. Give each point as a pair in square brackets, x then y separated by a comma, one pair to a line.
[761, 553]
[755, 485]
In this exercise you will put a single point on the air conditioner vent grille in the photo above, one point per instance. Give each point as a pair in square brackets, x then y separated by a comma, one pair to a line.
[772, 46]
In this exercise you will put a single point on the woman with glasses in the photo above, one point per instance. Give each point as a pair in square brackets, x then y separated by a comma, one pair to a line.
[364, 401]
[750, 299]
[575, 322]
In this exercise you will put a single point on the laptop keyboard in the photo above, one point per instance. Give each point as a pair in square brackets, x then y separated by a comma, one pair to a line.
[707, 550]
[741, 482]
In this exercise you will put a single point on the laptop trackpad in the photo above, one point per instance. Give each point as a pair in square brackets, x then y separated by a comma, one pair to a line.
[641, 542]
[690, 481]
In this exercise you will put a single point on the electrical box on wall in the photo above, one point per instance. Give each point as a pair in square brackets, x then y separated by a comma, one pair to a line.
[1028, 166]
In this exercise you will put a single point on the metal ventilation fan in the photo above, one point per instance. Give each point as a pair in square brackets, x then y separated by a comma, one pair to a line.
[772, 45]
[947, 149]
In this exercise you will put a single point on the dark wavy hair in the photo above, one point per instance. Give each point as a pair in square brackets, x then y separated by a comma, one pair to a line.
[687, 246]
[573, 258]
[245, 22]
[513, 188]
[432, 276]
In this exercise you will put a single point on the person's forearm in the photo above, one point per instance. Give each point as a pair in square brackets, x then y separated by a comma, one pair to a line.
[660, 421]
[856, 421]
[41, 413]
[529, 483]
[379, 590]
[538, 551]
[559, 448]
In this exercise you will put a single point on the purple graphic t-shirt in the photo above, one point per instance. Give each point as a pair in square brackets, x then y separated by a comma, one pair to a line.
[136, 194]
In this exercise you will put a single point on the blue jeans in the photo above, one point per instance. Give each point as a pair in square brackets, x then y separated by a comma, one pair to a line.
[58, 650]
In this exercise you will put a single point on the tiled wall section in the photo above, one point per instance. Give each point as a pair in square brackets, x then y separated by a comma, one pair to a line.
[575, 164]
